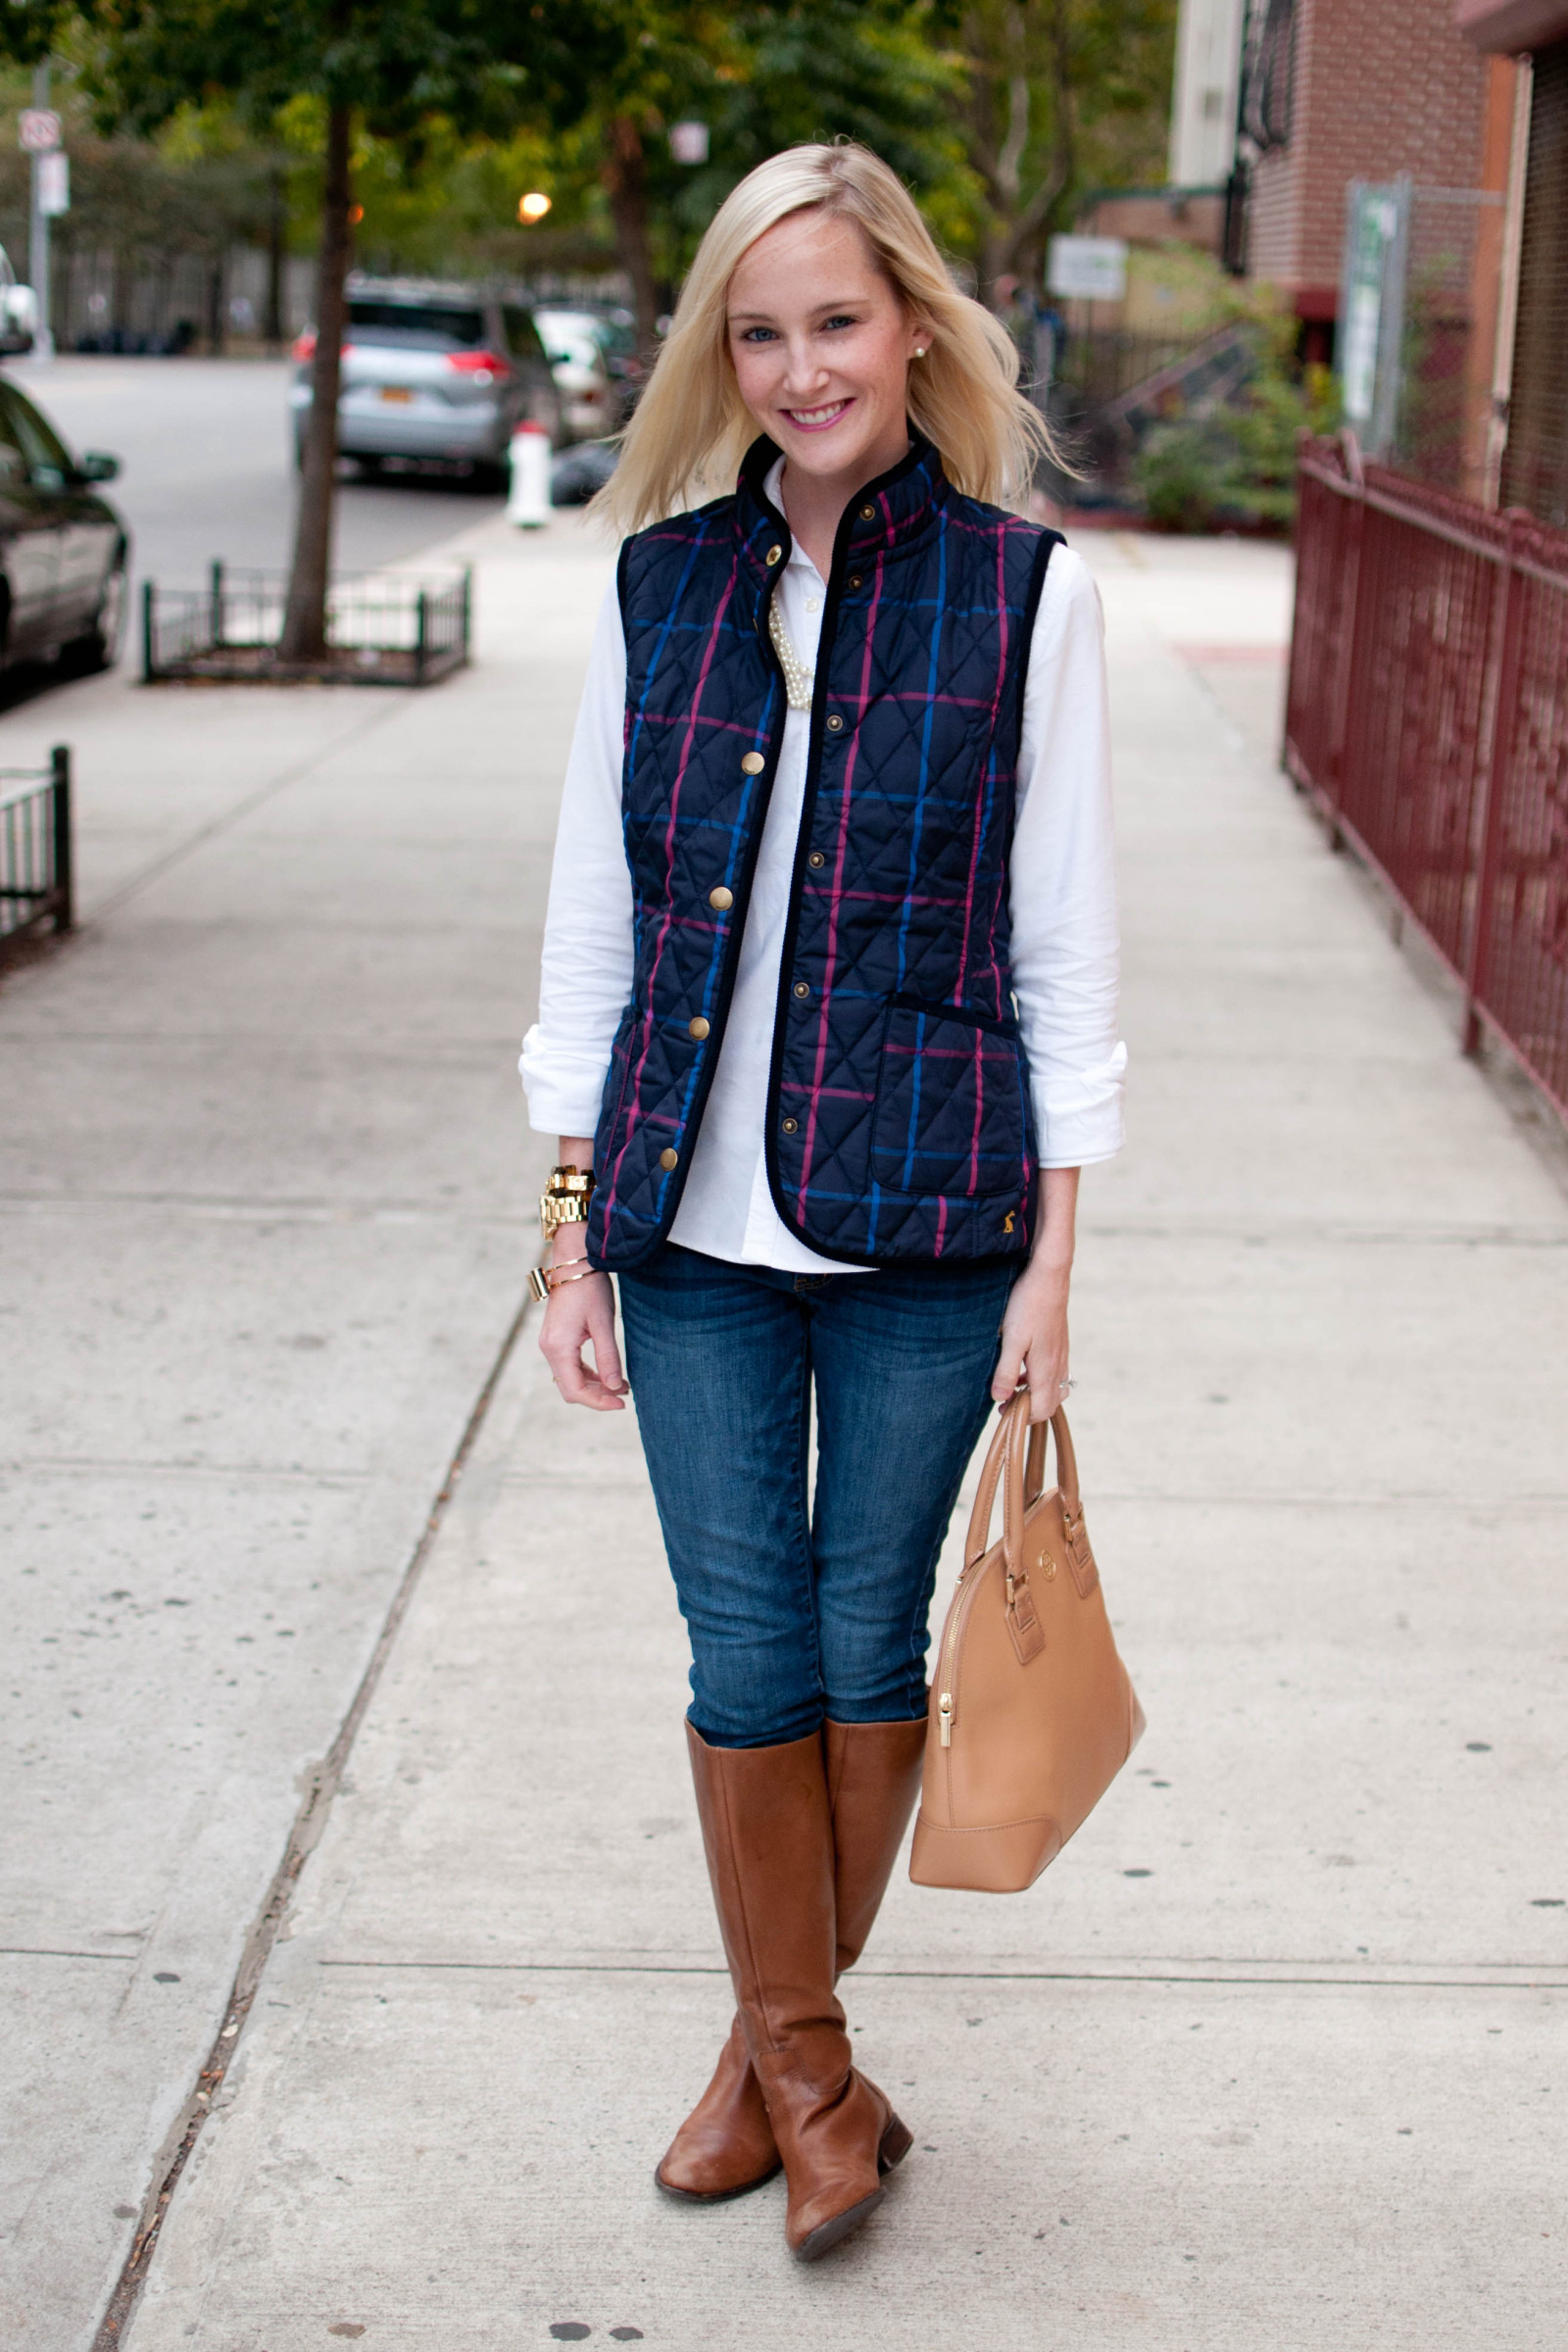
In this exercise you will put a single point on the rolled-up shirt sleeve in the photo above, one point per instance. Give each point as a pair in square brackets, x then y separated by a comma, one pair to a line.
[1065, 961]
[586, 971]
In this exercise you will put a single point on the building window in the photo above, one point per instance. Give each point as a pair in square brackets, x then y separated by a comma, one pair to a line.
[1266, 73]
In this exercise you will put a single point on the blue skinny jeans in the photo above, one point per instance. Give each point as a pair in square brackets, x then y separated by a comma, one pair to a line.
[800, 1608]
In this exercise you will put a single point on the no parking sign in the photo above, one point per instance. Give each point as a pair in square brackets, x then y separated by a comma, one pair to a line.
[38, 129]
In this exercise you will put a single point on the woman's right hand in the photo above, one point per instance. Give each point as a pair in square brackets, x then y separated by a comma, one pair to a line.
[582, 1312]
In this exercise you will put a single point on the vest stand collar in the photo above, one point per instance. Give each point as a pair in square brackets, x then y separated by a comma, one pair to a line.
[887, 516]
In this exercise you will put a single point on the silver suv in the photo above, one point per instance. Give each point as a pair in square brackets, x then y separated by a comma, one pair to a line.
[432, 371]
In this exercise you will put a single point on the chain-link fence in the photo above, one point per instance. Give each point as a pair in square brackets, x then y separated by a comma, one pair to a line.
[1418, 315]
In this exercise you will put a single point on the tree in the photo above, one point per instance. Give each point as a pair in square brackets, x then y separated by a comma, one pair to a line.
[760, 75]
[395, 69]
[1062, 95]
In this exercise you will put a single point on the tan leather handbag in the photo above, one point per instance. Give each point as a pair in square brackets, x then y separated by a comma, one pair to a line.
[1032, 1712]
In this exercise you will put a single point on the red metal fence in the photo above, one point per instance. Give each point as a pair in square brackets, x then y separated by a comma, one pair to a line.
[1427, 716]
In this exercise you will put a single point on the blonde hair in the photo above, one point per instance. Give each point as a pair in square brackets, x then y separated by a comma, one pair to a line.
[691, 427]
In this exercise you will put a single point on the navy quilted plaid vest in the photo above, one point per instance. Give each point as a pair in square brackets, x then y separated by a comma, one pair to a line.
[899, 1123]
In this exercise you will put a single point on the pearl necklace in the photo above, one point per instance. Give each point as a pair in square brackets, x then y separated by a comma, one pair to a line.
[799, 681]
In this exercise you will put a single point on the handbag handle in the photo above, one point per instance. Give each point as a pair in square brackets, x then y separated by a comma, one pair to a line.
[1017, 1455]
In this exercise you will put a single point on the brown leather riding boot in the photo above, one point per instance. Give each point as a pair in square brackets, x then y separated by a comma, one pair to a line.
[768, 1836]
[725, 2147]
[873, 1779]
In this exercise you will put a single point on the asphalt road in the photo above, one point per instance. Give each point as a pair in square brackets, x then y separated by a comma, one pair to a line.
[208, 469]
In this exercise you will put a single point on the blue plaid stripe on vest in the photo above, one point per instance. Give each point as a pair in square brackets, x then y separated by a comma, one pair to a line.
[899, 1123]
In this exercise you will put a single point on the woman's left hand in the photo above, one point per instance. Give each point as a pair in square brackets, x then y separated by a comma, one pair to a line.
[1033, 1329]
[1034, 1341]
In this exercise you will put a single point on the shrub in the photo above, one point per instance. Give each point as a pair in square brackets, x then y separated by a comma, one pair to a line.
[1235, 467]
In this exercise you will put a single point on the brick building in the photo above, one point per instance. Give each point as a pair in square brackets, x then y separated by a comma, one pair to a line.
[1336, 90]
[1530, 382]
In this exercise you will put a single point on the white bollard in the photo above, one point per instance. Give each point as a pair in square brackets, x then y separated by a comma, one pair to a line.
[528, 502]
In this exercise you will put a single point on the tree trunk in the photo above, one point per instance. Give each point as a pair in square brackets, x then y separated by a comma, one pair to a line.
[305, 622]
[625, 178]
[216, 275]
[273, 328]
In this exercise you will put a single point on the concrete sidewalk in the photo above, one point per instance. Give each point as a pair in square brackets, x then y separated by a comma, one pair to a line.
[267, 1218]
[1273, 2056]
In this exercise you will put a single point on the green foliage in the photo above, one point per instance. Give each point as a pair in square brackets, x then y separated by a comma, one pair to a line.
[397, 64]
[461, 105]
[865, 70]
[1063, 96]
[203, 186]
[1236, 466]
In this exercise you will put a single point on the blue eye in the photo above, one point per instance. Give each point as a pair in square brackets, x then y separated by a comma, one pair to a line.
[757, 334]
[843, 320]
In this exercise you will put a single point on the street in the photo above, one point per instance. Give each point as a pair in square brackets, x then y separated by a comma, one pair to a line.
[1270, 2058]
[207, 467]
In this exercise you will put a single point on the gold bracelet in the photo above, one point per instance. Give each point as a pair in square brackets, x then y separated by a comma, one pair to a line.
[544, 1281]
[566, 1201]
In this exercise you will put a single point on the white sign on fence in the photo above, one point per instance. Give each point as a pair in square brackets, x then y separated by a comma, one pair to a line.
[54, 184]
[1372, 291]
[38, 129]
[1092, 269]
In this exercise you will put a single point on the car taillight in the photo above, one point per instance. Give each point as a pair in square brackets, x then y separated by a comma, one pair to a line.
[305, 348]
[482, 364]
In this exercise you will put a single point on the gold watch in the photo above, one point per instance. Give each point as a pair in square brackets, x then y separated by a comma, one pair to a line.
[565, 1200]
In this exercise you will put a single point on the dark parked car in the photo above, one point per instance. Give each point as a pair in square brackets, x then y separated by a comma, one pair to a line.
[432, 371]
[63, 548]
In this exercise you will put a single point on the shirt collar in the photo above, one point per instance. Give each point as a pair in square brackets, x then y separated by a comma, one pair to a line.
[887, 516]
[772, 490]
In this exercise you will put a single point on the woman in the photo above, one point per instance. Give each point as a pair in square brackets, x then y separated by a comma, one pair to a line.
[826, 1032]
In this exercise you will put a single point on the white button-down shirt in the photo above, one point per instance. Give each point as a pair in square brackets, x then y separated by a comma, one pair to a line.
[1063, 897]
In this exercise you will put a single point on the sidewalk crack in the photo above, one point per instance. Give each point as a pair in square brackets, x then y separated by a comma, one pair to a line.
[308, 1824]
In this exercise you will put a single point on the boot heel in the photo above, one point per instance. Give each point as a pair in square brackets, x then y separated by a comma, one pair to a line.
[896, 2142]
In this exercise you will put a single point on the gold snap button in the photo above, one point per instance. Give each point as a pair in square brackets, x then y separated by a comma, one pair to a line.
[834, 722]
[753, 765]
[790, 1125]
[772, 556]
[722, 899]
[869, 514]
[855, 581]
[818, 857]
[668, 1160]
[696, 1028]
[800, 988]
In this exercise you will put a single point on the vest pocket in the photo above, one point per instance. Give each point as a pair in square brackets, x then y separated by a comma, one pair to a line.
[950, 1103]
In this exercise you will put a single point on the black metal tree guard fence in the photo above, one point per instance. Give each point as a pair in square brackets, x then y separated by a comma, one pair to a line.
[35, 877]
[381, 630]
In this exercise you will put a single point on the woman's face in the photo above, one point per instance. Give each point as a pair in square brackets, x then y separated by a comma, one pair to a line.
[822, 348]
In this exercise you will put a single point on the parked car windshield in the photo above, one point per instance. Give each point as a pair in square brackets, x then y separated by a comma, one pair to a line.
[416, 326]
[39, 443]
[570, 335]
[521, 332]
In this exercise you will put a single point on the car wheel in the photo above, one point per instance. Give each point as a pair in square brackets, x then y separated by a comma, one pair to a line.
[99, 647]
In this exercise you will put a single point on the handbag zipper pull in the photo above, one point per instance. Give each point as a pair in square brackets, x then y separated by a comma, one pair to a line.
[945, 1717]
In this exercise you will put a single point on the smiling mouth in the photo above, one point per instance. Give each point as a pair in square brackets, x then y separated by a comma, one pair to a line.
[815, 420]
